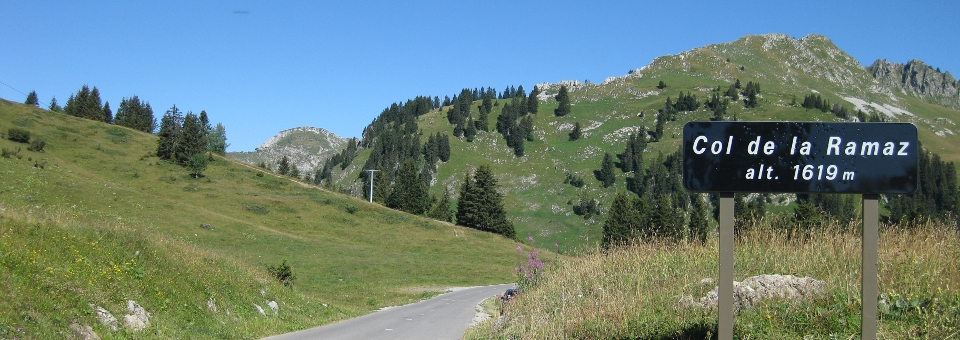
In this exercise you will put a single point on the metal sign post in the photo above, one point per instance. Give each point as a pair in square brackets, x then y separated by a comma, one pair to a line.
[868, 268]
[725, 280]
[798, 157]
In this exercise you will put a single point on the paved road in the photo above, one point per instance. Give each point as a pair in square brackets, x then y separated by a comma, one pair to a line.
[442, 317]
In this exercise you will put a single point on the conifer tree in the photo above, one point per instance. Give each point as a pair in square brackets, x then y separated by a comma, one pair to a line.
[107, 113]
[409, 193]
[169, 134]
[533, 103]
[698, 219]
[622, 223]
[481, 206]
[32, 99]
[444, 149]
[576, 133]
[136, 114]
[217, 140]
[283, 168]
[606, 175]
[661, 85]
[192, 140]
[470, 131]
[54, 106]
[563, 100]
[441, 209]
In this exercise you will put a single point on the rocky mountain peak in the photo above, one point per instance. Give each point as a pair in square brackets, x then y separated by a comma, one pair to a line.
[918, 79]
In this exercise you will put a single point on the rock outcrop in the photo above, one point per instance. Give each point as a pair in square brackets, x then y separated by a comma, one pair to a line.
[138, 318]
[762, 287]
[920, 80]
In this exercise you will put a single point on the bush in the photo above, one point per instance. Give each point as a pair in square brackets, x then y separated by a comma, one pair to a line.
[37, 145]
[18, 135]
[283, 273]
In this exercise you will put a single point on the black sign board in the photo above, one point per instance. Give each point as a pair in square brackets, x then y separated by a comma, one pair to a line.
[807, 157]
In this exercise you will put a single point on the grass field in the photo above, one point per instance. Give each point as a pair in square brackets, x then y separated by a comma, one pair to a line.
[633, 292]
[97, 219]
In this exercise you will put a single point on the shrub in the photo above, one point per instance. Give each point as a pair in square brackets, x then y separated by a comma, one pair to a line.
[282, 273]
[37, 145]
[18, 135]
[352, 209]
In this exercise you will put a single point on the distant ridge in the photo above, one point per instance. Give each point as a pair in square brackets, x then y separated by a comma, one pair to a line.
[307, 147]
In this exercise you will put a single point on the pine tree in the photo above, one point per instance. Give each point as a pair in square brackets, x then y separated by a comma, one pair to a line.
[606, 175]
[91, 108]
[169, 134]
[54, 106]
[192, 141]
[533, 102]
[481, 206]
[470, 131]
[698, 219]
[444, 149]
[563, 100]
[136, 115]
[217, 140]
[283, 168]
[409, 192]
[441, 209]
[576, 133]
[622, 222]
[661, 85]
[107, 113]
[32, 99]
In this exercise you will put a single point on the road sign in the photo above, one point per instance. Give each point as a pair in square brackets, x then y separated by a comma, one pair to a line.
[802, 157]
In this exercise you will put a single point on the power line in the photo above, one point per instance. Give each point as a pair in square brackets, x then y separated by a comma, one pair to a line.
[21, 92]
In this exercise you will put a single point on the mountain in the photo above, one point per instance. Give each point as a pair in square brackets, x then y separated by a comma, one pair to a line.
[541, 203]
[920, 80]
[307, 147]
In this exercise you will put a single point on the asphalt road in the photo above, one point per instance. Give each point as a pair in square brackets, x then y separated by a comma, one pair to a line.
[444, 316]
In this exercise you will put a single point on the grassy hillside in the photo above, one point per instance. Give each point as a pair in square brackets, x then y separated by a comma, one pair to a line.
[97, 219]
[538, 201]
[635, 292]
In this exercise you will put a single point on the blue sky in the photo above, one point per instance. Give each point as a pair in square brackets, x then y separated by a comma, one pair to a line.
[260, 67]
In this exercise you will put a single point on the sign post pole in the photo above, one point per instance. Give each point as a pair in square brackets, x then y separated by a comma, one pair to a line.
[725, 280]
[868, 279]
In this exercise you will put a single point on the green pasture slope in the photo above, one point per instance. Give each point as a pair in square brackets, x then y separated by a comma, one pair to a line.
[539, 203]
[98, 219]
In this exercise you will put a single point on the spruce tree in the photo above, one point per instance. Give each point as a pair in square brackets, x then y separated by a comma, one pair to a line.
[441, 209]
[32, 99]
[606, 175]
[283, 168]
[576, 133]
[217, 140]
[192, 140]
[107, 113]
[54, 106]
[698, 219]
[169, 134]
[622, 222]
[563, 100]
[470, 131]
[481, 206]
[135, 114]
[533, 103]
[409, 192]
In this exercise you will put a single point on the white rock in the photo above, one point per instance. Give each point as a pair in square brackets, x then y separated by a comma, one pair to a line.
[138, 319]
[260, 310]
[273, 306]
[105, 318]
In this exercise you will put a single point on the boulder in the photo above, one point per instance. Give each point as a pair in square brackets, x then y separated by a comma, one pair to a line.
[105, 318]
[83, 332]
[762, 287]
[273, 306]
[138, 318]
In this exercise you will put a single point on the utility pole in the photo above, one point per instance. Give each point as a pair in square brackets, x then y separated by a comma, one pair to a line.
[371, 171]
